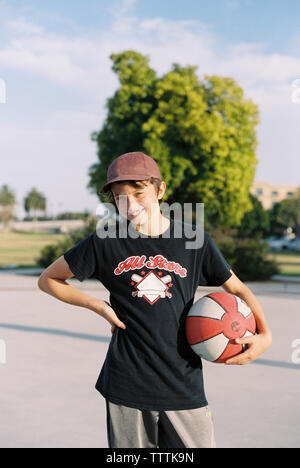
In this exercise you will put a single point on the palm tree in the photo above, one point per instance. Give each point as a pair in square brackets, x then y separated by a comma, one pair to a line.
[7, 204]
[34, 201]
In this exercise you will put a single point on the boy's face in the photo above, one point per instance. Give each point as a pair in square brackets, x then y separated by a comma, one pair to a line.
[138, 205]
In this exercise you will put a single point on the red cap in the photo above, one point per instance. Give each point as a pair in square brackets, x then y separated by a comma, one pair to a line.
[131, 166]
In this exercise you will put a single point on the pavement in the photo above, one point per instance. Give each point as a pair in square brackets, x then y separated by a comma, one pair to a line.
[55, 351]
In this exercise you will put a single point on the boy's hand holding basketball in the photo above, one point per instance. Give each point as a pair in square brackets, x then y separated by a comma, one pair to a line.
[256, 345]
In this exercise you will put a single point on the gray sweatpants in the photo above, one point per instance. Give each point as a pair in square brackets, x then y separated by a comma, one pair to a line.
[134, 428]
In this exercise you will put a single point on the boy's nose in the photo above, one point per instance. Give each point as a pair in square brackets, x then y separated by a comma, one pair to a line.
[134, 210]
[130, 204]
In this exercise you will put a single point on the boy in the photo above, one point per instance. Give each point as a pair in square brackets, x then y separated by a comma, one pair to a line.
[151, 379]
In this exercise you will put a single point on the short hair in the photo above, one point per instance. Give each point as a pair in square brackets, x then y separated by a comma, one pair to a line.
[108, 196]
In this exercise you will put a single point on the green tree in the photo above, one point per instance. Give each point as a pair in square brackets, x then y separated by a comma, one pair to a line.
[206, 133]
[201, 133]
[289, 212]
[276, 228]
[7, 204]
[34, 201]
[255, 222]
[128, 110]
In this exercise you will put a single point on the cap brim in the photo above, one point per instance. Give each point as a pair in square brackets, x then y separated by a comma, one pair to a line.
[128, 177]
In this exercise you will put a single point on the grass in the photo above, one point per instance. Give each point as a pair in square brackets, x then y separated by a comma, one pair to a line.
[288, 262]
[22, 248]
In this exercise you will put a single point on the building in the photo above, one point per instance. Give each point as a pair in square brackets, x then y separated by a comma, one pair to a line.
[269, 194]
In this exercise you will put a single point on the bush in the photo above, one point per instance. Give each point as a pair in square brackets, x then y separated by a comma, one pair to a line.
[248, 258]
[50, 253]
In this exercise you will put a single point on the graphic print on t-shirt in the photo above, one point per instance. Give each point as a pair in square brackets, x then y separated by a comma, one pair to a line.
[151, 285]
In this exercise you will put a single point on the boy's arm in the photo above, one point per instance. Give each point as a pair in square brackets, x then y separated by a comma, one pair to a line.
[259, 343]
[53, 282]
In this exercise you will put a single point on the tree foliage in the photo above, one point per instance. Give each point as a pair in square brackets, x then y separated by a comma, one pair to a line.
[7, 205]
[255, 222]
[200, 132]
[34, 201]
[289, 212]
[285, 214]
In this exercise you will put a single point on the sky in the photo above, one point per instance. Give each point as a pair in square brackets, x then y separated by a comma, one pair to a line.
[55, 79]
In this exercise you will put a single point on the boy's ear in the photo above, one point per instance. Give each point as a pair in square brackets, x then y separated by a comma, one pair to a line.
[163, 188]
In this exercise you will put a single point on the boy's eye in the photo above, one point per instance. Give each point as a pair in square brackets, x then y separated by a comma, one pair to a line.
[137, 194]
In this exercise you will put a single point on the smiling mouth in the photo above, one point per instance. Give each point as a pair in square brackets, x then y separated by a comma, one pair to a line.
[135, 215]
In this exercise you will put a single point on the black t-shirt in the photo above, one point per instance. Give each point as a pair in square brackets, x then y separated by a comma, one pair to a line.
[152, 282]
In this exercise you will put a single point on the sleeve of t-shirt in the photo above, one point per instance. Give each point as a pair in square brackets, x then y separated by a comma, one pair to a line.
[83, 258]
[215, 269]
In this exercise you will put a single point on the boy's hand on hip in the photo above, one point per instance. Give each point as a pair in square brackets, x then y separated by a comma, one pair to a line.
[104, 309]
[256, 345]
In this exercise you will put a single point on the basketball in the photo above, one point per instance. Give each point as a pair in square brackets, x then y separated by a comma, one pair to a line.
[214, 322]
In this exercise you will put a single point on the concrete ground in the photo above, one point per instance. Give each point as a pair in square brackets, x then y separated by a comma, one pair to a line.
[54, 353]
